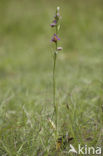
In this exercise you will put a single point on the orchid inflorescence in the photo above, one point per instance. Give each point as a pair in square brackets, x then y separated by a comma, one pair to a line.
[55, 24]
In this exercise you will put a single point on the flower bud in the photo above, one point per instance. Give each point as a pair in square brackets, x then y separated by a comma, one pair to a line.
[59, 48]
[58, 8]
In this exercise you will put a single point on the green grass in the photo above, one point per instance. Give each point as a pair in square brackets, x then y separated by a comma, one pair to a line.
[26, 75]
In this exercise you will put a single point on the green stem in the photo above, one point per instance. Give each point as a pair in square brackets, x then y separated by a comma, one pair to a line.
[54, 88]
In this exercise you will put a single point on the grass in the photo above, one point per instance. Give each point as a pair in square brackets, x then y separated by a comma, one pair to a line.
[26, 75]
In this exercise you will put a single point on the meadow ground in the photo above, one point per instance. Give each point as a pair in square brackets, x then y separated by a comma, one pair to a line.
[26, 75]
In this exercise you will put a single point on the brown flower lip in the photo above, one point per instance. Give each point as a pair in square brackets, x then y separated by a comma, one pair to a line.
[53, 24]
[55, 38]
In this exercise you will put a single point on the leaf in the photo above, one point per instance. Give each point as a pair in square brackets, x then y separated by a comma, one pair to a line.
[58, 27]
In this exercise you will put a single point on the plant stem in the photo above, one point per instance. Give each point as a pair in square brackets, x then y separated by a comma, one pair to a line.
[54, 95]
[54, 88]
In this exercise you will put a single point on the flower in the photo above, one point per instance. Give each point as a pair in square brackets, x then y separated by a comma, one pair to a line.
[57, 16]
[59, 48]
[55, 38]
[54, 23]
